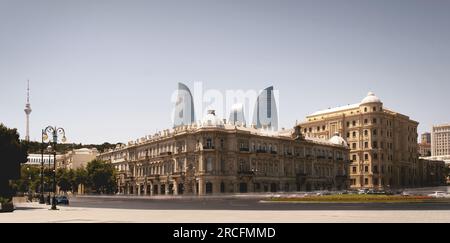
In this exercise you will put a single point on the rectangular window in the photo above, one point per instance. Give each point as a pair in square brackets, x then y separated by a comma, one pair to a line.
[209, 164]
[354, 169]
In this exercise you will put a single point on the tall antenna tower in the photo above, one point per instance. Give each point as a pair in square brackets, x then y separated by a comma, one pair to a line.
[28, 112]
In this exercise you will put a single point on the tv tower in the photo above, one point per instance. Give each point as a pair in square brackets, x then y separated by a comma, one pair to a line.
[27, 112]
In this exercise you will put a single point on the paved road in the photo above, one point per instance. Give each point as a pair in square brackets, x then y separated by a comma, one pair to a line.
[251, 203]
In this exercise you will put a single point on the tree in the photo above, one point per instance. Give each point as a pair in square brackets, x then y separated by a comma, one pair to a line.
[101, 177]
[12, 154]
[64, 179]
[29, 180]
[80, 178]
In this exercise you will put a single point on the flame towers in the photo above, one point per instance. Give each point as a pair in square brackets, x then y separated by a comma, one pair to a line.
[184, 107]
[265, 115]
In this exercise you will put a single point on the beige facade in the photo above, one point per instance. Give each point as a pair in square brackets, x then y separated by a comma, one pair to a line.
[213, 157]
[383, 142]
[440, 140]
[77, 158]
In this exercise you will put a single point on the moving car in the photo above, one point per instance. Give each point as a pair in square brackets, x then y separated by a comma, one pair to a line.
[62, 200]
[438, 194]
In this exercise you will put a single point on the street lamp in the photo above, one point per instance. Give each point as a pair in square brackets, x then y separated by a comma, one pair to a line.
[42, 191]
[49, 150]
[54, 132]
[29, 183]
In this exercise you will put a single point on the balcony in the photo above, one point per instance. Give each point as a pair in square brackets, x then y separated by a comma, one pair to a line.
[208, 147]
[273, 152]
[165, 153]
[261, 151]
[244, 149]
[246, 173]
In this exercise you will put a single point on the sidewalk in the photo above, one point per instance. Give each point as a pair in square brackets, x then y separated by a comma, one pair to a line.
[36, 213]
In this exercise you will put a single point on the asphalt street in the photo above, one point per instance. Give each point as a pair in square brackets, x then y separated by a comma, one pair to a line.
[241, 204]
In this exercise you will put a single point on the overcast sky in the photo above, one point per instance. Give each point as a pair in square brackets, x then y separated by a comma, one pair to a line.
[106, 70]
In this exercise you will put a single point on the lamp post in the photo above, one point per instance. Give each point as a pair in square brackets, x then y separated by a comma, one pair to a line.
[42, 191]
[54, 132]
[29, 182]
[49, 150]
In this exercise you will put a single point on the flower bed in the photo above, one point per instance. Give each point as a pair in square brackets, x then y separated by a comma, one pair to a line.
[6, 205]
[352, 198]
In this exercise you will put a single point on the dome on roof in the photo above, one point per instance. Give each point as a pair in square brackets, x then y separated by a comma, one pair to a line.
[338, 140]
[211, 120]
[370, 98]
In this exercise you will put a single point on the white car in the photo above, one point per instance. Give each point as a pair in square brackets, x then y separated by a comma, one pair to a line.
[438, 194]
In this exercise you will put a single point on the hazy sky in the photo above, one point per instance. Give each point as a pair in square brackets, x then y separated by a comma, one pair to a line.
[106, 70]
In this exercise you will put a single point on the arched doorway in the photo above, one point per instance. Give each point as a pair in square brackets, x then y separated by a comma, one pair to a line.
[286, 187]
[170, 189]
[209, 188]
[243, 187]
[155, 190]
[222, 187]
[273, 187]
[180, 188]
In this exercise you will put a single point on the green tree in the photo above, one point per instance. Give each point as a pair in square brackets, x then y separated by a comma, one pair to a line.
[80, 178]
[29, 180]
[101, 177]
[64, 179]
[12, 154]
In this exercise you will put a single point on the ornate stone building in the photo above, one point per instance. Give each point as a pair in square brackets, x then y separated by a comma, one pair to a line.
[214, 157]
[383, 142]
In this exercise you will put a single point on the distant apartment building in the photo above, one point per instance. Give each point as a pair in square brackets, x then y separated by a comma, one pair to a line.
[440, 140]
[425, 138]
[424, 147]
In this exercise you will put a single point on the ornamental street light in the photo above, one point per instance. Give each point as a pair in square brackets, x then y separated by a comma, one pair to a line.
[41, 196]
[54, 132]
[49, 151]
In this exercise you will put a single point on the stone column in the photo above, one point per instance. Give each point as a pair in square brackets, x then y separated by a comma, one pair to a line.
[166, 189]
[145, 189]
[151, 188]
[175, 188]
[201, 186]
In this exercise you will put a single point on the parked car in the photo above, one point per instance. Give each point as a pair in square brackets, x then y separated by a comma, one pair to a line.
[405, 193]
[438, 194]
[363, 191]
[62, 200]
